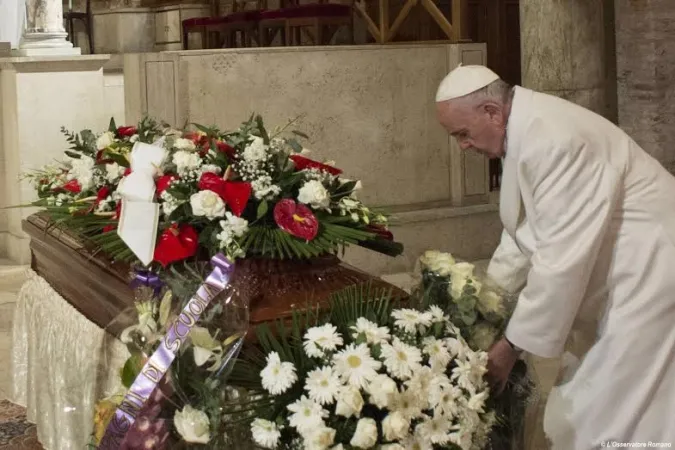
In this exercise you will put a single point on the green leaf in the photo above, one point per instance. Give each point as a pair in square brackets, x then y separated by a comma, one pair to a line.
[263, 131]
[118, 158]
[297, 148]
[262, 209]
[131, 369]
[300, 133]
[112, 126]
[165, 308]
[73, 154]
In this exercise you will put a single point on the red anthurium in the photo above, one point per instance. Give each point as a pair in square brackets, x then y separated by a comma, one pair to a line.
[126, 131]
[73, 186]
[100, 159]
[225, 148]
[296, 219]
[164, 182]
[102, 194]
[127, 171]
[302, 163]
[234, 193]
[109, 228]
[175, 244]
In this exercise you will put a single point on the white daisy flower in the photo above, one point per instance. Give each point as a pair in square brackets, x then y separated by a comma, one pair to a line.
[439, 356]
[437, 314]
[477, 401]
[435, 429]
[401, 359]
[410, 319]
[421, 383]
[278, 377]
[320, 339]
[355, 365]
[444, 397]
[323, 385]
[469, 373]
[457, 347]
[265, 433]
[374, 334]
[409, 404]
[307, 415]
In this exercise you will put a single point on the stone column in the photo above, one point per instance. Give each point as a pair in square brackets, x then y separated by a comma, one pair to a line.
[562, 50]
[645, 47]
[44, 34]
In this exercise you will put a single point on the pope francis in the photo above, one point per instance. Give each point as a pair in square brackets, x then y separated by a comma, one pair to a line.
[589, 236]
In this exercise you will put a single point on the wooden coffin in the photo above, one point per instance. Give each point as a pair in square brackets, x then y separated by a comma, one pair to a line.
[99, 288]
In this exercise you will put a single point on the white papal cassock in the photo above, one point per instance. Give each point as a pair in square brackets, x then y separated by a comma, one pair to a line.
[589, 221]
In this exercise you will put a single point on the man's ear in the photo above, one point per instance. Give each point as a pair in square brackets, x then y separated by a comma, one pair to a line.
[493, 110]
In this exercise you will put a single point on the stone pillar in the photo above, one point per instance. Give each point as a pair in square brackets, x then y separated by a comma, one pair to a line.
[563, 50]
[645, 47]
[44, 34]
[39, 96]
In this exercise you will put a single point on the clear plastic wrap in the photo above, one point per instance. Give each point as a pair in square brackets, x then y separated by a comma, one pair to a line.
[182, 348]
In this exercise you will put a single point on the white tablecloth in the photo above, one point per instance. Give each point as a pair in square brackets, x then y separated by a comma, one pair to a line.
[55, 359]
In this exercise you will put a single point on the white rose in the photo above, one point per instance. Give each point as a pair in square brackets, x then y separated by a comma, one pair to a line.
[382, 390]
[462, 270]
[438, 262]
[395, 426]
[365, 435]
[320, 439]
[350, 402]
[186, 162]
[105, 140]
[489, 302]
[193, 425]
[457, 286]
[314, 194]
[184, 144]
[207, 203]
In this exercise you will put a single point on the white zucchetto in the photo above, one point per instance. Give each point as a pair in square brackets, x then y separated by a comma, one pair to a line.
[463, 80]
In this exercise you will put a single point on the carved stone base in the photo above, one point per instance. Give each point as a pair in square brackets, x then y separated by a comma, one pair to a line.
[46, 44]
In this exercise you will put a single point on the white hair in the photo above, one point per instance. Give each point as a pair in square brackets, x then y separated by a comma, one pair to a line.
[499, 91]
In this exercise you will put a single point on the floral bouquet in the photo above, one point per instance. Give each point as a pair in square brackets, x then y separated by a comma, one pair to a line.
[480, 310]
[165, 197]
[365, 376]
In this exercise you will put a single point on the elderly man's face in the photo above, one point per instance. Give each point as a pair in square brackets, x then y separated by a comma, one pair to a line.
[479, 127]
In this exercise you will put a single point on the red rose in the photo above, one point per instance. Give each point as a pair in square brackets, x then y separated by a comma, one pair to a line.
[102, 194]
[175, 244]
[234, 193]
[73, 186]
[225, 148]
[126, 131]
[302, 163]
[163, 183]
[296, 219]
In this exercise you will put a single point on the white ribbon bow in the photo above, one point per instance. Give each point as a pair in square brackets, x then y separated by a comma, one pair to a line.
[140, 214]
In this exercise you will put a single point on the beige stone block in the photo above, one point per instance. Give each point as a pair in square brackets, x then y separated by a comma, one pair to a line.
[124, 30]
[113, 94]
[41, 94]
[168, 25]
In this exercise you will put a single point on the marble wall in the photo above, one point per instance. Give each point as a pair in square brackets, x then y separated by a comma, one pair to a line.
[563, 50]
[645, 51]
[370, 108]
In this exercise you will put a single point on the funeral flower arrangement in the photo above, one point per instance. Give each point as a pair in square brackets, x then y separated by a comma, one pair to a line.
[192, 194]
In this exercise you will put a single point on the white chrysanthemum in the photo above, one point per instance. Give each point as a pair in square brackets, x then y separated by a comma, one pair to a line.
[462, 438]
[410, 319]
[409, 404]
[439, 356]
[256, 150]
[469, 372]
[323, 385]
[365, 435]
[186, 162]
[307, 415]
[82, 170]
[435, 429]
[320, 339]
[355, 365]
[457, 347]
[401, 359]
[437, 314]
[374, 334]
[278, 377]
[477, 401]
[113, 172]
[232, 227]
[421, 382]
[265, 433]
[383, 391]
[444, 397]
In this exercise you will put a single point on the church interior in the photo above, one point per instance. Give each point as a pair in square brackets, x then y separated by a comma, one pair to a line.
[360, 75]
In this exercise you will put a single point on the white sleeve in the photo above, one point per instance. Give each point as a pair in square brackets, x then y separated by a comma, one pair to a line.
[574, 196]
[509, 266]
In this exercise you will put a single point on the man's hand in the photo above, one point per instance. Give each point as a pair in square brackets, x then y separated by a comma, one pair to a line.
[501, 359]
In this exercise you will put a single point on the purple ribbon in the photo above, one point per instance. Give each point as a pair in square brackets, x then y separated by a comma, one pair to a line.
[147, 278]
[160, 361]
